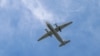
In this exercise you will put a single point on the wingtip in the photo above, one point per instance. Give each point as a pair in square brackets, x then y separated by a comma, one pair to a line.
[38, 40]
[71, 22]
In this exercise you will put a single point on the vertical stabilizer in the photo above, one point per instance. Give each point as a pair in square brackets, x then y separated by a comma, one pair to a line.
[65, 42]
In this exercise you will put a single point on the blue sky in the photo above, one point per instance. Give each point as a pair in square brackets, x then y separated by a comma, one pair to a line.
[21, 24]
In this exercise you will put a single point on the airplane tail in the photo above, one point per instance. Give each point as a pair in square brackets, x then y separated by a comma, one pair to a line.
[65, 42]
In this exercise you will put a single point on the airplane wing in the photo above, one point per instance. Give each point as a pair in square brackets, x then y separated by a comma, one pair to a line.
[49, 33]
[62, 26]
[45, 35]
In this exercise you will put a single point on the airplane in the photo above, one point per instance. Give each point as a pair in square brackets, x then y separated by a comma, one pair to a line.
[53, 31]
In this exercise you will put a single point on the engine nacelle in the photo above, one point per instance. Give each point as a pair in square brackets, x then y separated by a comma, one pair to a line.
[58, 27]
[46, 30]
[48, 33]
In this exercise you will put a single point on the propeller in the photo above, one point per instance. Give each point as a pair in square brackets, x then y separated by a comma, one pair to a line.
[48, 32]
[58, 27]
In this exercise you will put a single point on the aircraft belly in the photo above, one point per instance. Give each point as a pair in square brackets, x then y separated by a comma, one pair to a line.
[55, 33]
[58, 38]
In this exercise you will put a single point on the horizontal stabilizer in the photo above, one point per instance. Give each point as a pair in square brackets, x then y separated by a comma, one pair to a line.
[65, 42]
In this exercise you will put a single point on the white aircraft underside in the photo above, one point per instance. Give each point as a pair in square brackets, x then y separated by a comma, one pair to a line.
[53, 31]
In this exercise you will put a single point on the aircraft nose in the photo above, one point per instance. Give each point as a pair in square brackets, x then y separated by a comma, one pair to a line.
[46, 22]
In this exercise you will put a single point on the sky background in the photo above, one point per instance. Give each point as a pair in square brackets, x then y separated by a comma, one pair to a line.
[21, 24]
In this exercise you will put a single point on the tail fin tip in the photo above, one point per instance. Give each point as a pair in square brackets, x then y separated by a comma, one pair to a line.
[65, 42]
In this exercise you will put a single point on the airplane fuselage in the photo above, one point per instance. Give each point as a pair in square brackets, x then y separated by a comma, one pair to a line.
[54, 32]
